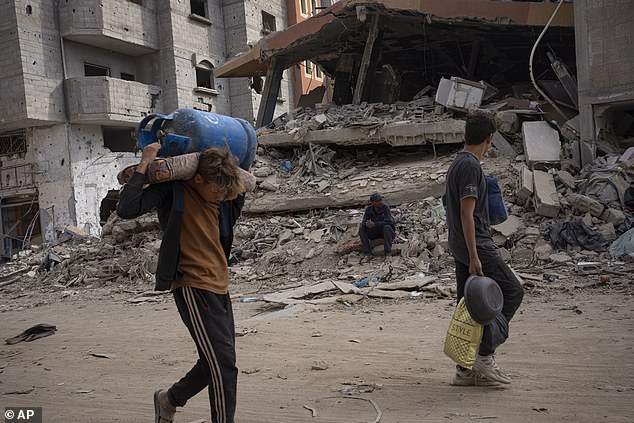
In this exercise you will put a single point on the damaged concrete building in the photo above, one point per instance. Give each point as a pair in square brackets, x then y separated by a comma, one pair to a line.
[77, 76]
[518, 55]
[605, 74]
[389, 50]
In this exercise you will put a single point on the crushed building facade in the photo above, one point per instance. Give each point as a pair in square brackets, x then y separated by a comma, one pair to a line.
[389, 50]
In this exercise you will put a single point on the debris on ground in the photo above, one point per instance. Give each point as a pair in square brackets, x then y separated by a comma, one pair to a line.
[296, 244]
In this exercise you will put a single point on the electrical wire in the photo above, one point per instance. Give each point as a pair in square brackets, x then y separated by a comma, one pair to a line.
[530, 62]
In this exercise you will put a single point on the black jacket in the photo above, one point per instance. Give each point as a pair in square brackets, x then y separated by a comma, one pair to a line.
[168, 198]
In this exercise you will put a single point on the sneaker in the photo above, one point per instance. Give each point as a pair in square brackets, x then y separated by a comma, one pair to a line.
[468, 377]
[464, 377]
[486, 366]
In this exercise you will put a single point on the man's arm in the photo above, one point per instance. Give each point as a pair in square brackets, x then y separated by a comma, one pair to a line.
[134, 200]
[367, 215]
[467, 207]
[387, 214]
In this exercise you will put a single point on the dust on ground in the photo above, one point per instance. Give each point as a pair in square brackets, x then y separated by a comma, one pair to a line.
[569, 355]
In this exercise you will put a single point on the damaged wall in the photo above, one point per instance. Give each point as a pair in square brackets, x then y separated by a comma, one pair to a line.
[94, 172]
[605, 58]
[201, 41]
[243, 28]
[41, 59]
[31, 75]
[47, 153]
[13, 104]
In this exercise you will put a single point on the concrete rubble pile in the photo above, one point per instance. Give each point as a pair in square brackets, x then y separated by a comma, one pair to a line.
[124, 256]
[297, 241]
[332, 116]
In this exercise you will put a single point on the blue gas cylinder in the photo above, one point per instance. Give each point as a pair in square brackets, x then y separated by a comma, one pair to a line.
[189, 131]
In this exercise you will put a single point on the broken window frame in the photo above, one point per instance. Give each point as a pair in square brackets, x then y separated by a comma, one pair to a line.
[18, 236]
[96, 67]
[268, 23]
[12, 143]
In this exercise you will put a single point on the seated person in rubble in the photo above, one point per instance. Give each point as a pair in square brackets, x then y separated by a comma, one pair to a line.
[377, 223]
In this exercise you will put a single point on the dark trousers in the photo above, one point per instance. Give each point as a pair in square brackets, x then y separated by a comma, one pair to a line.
[497, 332]
[379, 231]
[209, 318]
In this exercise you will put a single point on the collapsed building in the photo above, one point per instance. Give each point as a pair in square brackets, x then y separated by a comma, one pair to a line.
[406, 73]
[388, 51]
[383, 64]
[396, 133]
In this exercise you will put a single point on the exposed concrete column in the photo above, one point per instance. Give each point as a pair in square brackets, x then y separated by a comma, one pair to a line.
[365, 61]
[473, 59]
[270, 92]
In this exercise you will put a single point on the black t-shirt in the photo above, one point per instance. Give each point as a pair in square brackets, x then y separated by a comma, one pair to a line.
[465, 178]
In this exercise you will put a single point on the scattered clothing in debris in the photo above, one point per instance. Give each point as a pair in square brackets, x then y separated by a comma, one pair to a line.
[31, 334]
[575, 233]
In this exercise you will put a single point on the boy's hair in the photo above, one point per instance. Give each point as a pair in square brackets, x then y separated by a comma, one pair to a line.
[479, 126]
[218, 166]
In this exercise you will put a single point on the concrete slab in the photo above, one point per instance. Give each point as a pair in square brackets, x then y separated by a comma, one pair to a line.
[546, 197]
[509, 226]
[397, 134]
[541, 143]
[524, 185]
[503, 146]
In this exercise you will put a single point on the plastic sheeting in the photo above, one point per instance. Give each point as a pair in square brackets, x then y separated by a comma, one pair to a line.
[623, 245]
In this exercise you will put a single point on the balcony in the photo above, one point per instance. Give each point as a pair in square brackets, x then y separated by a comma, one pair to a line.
[119, 25]
[109, 101]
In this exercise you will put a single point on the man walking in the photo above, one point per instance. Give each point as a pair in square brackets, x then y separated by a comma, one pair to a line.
[377, 223]
[472, 246]
[193, 265]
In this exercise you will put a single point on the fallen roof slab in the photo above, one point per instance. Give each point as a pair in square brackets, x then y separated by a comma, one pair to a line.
[398, 134]
[400, 194]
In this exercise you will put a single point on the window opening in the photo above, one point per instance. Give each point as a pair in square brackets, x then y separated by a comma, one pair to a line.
[199, 7]
[268, 23]
[119, 139]
[204, 75]
[96, 70]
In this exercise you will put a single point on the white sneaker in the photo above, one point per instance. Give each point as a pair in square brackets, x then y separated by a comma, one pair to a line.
[486, 366]
[468, 377]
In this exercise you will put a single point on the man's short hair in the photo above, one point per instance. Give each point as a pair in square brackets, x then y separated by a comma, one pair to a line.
[479, 126]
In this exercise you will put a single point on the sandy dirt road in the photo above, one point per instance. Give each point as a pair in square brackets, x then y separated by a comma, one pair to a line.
[570, 357]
